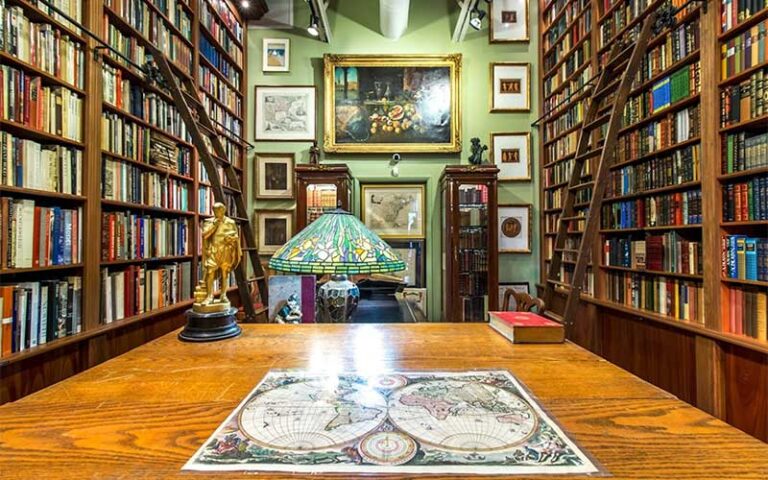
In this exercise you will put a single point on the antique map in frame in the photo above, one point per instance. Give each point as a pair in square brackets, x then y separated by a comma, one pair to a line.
[476, 422]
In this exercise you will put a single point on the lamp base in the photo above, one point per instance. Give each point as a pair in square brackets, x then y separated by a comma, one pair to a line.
[337, 299]
[210, 327]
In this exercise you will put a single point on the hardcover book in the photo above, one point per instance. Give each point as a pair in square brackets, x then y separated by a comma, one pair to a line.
[526, 327]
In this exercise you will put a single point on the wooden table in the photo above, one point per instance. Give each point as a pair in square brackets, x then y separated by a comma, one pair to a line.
[143, 414]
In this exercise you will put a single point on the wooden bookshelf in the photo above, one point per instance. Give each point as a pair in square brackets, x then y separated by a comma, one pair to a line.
[712, 344]
[181, 20]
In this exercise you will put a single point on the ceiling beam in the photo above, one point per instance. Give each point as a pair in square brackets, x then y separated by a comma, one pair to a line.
[320, 7]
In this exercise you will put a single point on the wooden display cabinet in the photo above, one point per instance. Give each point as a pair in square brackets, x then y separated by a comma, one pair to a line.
[470, 242]
[321, 188]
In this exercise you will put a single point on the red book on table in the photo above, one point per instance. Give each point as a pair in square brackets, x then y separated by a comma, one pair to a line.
[526, 327]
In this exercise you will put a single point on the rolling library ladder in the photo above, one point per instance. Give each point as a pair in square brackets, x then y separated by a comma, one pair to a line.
[205, 137]
[613, 87]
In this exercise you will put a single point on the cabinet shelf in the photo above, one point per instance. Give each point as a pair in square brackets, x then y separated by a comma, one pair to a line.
[38, 135]
[653, 191]
[743, 26]
[742, 173]
[48, 79]
[40, 270]
[661, 273]
[31, 192]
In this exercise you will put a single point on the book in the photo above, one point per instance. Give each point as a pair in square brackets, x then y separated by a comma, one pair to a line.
[526, 327]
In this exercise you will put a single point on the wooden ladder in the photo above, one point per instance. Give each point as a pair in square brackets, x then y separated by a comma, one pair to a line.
[205, 136]
[615, 80]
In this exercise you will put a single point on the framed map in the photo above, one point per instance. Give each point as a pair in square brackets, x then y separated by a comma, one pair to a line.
[471, 423]
[394, 210]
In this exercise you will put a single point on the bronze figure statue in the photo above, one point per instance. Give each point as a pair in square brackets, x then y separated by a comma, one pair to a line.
[221, 254]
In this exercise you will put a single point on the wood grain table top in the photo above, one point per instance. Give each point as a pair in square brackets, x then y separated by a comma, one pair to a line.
[143, 414]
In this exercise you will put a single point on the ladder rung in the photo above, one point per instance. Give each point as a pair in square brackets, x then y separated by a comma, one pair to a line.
[598, 121]
[619, 58]
[608, 88]
[558, 283]
[566, 250]
[575, 217]
[194, 99]
[582, 185]
[589, 154]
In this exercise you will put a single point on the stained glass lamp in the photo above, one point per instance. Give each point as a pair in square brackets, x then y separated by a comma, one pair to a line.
[339, 244]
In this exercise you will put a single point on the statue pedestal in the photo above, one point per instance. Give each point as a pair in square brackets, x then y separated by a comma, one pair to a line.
[209, 327]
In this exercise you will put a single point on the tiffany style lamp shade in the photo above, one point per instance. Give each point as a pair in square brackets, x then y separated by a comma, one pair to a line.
[339, 244]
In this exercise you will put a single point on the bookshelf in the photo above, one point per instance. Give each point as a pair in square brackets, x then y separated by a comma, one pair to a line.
[469, 220]
[120, 176]
[667, 221]
[319, 189]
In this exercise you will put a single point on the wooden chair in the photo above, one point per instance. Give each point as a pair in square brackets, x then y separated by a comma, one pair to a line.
[523, 302]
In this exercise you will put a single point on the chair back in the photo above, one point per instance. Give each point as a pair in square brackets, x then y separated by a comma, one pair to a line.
[523, 302]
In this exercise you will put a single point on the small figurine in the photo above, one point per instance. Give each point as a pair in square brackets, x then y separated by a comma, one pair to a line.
[290, 312]
[477, 151]
[314, 154]
[221, 254]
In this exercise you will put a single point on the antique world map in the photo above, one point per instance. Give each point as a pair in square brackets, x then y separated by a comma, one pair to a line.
[481, 422]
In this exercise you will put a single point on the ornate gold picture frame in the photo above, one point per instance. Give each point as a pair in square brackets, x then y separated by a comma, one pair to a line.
[392, 103]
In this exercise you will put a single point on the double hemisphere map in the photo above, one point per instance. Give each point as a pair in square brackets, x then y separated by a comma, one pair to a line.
[480, 422]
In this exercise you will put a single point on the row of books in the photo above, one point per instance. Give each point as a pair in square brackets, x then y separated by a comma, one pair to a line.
[561, 171]
[321, 196]
[566, 276]
[55, 110]
[680, 166]
[557, 29]
[746, 201]
[71, 8]
[33, 236]
[476, 238]
[473, 260]
[744, 151]
[744, 101]
[474, 309]
[218, 89]
[140, 15]
[206, 200]
[222, 8]
[745, 312]
[673, 128]
[734, 12]
[745, 51]
[671, 89]
[41, 45]
[149, 106]
[680, 299]
[473, 217]
[563, 146]
[137, 142]
[669, 253]
[204, 178]
[35, 313]
[473, 285]
[125, 182]
[744, 258]
[568, 119]
[172, 46]
[221, 34]
[681, 208]
[222, 116]
[678, 44]
[473, 194]
[223, 67]
[577, 32]
[28, 164]
[573, 62]
[554, 198]
[232, 150]
[620, 18]
[154, 29]
[572, 81]
[130, 236]
[139, 289]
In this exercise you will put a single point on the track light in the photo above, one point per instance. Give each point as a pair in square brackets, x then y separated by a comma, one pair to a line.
[245, 4]
[477, 16]
[313, 29]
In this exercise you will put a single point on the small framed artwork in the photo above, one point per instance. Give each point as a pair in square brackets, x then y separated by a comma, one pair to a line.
[508, 21]
[515, 228]
[412, 253]
[511, 153]
[274, 175]
[285, 113]
[510, 87]
[275, 228]
[275, 55]
[394, 210]
[520, 287]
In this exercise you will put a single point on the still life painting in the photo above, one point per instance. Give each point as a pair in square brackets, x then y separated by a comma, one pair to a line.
[394, 210]
[285, 113]
[470, 423]
[388, 103]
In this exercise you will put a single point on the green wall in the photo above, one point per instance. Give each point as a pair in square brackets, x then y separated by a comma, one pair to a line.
[355, 28]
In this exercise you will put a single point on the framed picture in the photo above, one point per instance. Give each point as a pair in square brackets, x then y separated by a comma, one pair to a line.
[392, 103]
[394, 210]
[274, 175]
[508, 21]
[275, 55]
[511, 153]
[520, 287]
[515, 228]
[510, 87]
[412, 253]
[285, 113]
[279, 16]
[275, 228]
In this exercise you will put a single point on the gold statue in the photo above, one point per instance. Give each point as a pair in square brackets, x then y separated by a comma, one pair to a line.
[221, 253]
